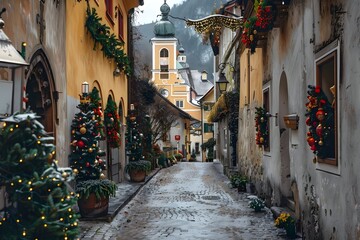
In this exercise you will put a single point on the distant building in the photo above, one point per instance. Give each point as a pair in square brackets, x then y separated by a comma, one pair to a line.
[175, 81]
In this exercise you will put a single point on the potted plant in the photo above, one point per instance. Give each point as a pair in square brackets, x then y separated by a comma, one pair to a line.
[85, 160]
[94, 196]
[256, 204]
[137, 170]
[239, 182]
[288, 223]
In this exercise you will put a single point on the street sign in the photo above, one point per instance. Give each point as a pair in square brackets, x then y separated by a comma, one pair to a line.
[177, 137]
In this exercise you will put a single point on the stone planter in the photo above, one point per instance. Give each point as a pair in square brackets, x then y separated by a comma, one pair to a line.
[137, 175]
[91, 207]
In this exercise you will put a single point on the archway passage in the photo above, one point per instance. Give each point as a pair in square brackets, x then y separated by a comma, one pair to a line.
[284, 142]
[40, 90]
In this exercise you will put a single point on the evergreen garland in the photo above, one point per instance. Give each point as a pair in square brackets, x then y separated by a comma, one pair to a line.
[320, 119]
[112, 123]
[111, 46]
[40, 201]
[261, 126]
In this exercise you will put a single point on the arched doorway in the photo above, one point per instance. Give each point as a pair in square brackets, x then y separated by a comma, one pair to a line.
[285, 186]
[41, 92]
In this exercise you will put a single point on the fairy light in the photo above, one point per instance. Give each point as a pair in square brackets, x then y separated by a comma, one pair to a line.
[45, 225]
[17, 220]
[4, 125]
[11, 129]
[20, 180]
[20, 160]
[29, 198]
[42, 217]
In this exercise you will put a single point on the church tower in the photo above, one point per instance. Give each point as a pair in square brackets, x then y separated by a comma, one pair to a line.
[164, 54]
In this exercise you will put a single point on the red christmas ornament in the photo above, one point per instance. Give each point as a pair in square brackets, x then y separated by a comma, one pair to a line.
[320, 114]
[319, 130]
[309, 134]
[313, 148]
[87, 164]
[317, 89]
[311, 141]
[80, 144]
[308, 121]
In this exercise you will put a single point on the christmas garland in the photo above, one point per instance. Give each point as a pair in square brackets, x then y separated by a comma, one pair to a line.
[112, 47]
[261, 126]
[112, 123]
[320, 119]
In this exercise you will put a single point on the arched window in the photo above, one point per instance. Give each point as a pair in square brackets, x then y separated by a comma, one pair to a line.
[164, 64]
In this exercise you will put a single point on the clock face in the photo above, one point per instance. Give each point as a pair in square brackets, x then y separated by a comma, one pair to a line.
[164, 92]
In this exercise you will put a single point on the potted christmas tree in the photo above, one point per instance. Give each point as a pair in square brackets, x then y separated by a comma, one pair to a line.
[85, 159]
[39, 199]
[137, 167]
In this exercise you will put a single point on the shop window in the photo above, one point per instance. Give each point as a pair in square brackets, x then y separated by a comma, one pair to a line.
[208, 127]
[327, 65]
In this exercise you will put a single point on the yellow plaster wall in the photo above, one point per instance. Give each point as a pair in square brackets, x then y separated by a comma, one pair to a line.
[256, 78]
[83, 63]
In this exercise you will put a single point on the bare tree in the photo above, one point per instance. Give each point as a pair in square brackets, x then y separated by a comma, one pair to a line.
[163, 116]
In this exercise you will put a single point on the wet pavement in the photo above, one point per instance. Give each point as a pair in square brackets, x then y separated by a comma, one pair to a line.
[190, 200]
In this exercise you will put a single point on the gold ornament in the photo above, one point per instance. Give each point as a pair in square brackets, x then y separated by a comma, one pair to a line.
[72, 131]
[321, 142]
[75, 171]
[94, 145]
[64, 175]
[50, 156]
[102, 176]
[90, 150]
[83, 130]
[261, 139]
[96, 162]
[74, 143]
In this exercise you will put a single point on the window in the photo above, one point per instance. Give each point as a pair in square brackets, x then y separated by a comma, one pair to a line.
[180, 103]
[164, 64]
[121, 25]
[266, 106]
[327, 63]
[208, 127]
[109, 10]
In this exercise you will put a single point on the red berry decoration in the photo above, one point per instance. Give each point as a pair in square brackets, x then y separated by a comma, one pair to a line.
[320, 114]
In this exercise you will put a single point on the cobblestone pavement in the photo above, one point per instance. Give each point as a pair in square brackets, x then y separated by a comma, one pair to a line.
[186, 201]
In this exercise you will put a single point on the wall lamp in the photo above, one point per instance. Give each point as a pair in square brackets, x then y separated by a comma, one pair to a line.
[222, 82]
[85, 88]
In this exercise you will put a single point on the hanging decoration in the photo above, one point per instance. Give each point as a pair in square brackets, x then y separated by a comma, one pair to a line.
[320, 119]
[255, 26]
[112, 124]
[261, 126]
[215, 22]
[111, 46]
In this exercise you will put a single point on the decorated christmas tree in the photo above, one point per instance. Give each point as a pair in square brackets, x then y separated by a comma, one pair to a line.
[85, 152]
[112, 123]
[40, 202]
[95, 106]
[134, 148]
[85, 160]
[133, 138]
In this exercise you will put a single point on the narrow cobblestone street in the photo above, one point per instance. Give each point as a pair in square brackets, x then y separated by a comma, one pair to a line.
[186, 201]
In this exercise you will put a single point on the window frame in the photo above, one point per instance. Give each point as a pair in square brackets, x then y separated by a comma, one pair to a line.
[266, 106]
[331, 51]
[121, 25]
[164, 69]
[179, 101]
[109, 11]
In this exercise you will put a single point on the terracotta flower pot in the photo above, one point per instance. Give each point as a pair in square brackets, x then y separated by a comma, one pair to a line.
[137, 175]
[91, 207]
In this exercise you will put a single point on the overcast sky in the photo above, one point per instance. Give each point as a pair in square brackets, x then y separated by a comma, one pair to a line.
[151, 8]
